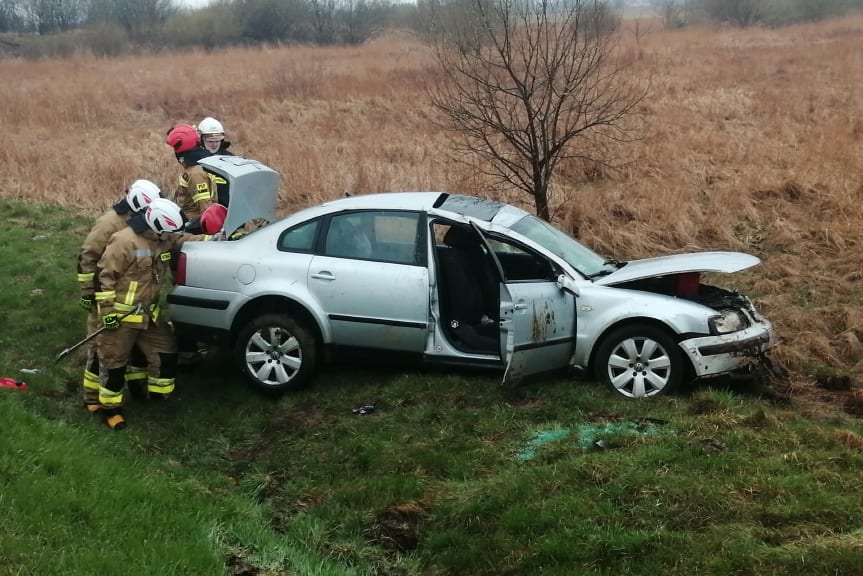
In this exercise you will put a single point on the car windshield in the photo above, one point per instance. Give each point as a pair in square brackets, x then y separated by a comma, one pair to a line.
[582, 258]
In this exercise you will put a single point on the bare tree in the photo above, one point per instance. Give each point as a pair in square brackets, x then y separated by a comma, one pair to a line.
[530, 83]
[671, 13]
[49, 16]
[135, 16]
[11, 16]
[738, 12]
[323, 18]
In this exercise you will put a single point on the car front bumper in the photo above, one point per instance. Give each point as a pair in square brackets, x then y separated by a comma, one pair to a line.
[715, 355]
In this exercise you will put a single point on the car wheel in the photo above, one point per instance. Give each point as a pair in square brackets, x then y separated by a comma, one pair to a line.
[638, 361]
[276, 353]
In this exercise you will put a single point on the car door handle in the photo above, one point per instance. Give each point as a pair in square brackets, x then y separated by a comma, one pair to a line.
[324, 275]
[520, 306]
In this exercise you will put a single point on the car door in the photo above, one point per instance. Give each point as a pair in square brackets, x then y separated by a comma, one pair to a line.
[370, 276]
[537, 317]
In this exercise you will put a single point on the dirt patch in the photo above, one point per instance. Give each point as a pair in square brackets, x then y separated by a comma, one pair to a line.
[299, 417]
[834, 381]
[853, 404]
[395, 528]
[603, 416]
[237, 565]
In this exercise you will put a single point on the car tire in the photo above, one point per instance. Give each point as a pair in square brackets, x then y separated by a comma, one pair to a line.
[639, 360]
[276, 353]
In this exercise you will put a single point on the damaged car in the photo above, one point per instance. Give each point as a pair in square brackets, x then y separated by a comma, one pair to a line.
[453, 279]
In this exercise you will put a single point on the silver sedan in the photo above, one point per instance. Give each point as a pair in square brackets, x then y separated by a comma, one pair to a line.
[453, 279]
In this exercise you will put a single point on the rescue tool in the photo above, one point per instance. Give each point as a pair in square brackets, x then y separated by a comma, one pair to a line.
[89, 337]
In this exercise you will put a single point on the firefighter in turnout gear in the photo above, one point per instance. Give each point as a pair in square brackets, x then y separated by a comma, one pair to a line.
[195, 190]
[213, 138]
[138, 196]
[130, 276]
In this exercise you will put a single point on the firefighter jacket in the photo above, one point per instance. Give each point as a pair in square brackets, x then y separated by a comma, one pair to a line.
[195, 191]
[94, 245]
[131, 271]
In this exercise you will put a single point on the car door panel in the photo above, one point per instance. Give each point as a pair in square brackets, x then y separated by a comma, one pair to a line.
[541, 319]
[538, 322]
[372, 304]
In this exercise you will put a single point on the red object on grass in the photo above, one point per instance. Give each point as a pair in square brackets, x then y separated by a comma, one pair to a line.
[12, 384]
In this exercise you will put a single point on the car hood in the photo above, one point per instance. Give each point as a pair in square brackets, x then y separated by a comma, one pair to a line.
[254, 189]
[679, 264]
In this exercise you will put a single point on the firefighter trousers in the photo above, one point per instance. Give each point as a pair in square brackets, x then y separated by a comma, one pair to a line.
[159, 347]
[136, 369]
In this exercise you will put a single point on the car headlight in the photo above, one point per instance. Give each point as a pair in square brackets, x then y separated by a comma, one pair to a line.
[729, 321]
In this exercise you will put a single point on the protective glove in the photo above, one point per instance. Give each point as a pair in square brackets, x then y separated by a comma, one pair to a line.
[86, 302]
[111, 321]
[237, 235]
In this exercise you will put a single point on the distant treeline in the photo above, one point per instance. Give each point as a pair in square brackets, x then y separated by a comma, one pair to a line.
[36, 28]
[33, 28]
[676, 13]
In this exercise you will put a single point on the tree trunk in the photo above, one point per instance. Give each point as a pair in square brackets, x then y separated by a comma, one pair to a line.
[540, 196]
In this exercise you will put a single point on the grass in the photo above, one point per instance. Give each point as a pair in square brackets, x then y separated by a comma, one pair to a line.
[220, 480]
[754, 141]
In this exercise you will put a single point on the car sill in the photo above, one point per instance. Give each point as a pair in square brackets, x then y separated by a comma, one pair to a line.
[193, 302]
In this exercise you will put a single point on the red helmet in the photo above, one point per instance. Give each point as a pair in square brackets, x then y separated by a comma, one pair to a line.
[213, 218]
[183, 138]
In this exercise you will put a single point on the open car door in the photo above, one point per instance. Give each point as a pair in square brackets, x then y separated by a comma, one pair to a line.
[537, 316]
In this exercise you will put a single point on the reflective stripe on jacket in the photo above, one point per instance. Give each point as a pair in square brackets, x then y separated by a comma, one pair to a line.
[195, 191]
[131, 270]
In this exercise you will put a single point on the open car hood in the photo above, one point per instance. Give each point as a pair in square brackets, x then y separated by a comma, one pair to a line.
[679, 264]
[254, 189]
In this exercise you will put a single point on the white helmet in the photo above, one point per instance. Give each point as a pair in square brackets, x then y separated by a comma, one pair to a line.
[164, 216]
[212, 133]
[140, 194]
[210, 125]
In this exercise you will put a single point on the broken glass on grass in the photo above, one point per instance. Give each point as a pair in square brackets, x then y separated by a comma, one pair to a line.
[593, 435]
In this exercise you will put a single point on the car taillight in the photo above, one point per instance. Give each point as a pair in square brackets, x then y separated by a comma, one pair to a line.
[180, 271]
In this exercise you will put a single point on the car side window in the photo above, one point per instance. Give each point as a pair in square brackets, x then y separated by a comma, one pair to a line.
[385, 236]
[299, 238]
[520, 264]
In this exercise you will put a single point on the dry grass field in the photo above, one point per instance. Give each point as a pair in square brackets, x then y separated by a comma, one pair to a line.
[755, 143]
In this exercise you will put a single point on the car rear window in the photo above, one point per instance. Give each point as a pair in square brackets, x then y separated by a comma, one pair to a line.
[300, 238]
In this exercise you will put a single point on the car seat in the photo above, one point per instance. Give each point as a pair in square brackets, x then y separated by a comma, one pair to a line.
[345, 239]
[467, 306]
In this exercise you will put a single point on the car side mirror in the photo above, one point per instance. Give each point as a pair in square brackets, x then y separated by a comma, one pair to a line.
[564, 282]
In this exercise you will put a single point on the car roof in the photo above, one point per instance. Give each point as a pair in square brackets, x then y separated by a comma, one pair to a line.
[388, 200]
[470, 206]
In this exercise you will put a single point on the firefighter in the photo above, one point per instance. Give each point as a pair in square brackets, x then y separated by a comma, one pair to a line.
[138, 196]
[131, 270]
[195, 190]
[213, 137]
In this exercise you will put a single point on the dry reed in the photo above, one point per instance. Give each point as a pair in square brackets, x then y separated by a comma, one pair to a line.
[754, 144]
